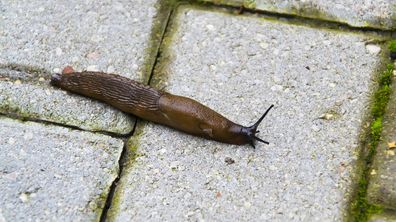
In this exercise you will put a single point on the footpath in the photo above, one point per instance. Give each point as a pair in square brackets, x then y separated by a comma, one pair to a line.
[324, 65]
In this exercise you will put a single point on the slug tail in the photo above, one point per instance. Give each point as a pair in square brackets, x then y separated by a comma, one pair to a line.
[251, 131]
[56, 79]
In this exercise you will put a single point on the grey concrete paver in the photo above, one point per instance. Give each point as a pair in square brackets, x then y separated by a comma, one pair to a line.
[382, 187]
[367, 13]
[111, 36]
[319, 81]
[29, 95]
[51, 173]
[107, 35]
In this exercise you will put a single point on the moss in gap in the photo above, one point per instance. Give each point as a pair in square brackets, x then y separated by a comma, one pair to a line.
[8, 107]
[392, 49]
[249, 4]
[31, 73]
[326, 23]
[157, 32]
[309, 10]
[128, 161]
[361, 208]
[376, 129]
[382, 95]
[165, 53]
[393, 18]
[97, 205]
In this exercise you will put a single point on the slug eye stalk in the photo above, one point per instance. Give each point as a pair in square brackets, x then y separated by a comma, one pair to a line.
[251, 131]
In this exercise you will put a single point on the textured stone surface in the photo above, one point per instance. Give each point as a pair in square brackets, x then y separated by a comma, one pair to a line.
[111, 36]
[107, 35]
[29, 95]
[382, 187]
[50, 173]
[366, 13]
[319, 81]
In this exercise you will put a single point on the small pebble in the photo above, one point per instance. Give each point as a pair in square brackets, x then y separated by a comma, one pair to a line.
[373, 49]
[92, 68]
[174, 165]
[277, 79]
[315, 128]
[327, 116]
[58, 51]
[390, 152]
[67, 69]
[276, 88]
[11, 141]
[56, 70]
[229, 160]
[247, 205]
[24, 197]
[210, 27]
[93, 55]
[28, 136]
[110, 69]
[74, 59]
[264, 45]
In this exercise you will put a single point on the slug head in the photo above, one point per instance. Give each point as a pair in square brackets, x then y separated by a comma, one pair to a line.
[250, 132]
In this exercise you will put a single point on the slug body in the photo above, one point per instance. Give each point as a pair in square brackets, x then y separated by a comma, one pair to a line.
[179, 112]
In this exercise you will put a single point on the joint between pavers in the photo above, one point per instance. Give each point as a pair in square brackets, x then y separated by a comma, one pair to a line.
[321, 23]
[360, 209]
[303, 11]
[126, 163]
[157, 33]
[161, 39]
[110, 199]
[46, 122]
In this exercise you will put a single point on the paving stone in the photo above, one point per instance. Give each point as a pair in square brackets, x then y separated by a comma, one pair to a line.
[366, 13]
[51, 173]
[29, 95]
[382, 187]
[239, 66]
[111, 36]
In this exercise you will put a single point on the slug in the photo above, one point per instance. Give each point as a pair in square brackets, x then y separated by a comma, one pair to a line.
[148, 103]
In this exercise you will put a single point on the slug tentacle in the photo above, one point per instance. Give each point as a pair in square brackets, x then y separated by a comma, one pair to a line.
[251, 131]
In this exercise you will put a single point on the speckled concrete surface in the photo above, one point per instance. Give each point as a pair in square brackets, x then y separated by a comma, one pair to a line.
[111, 36]
[29, 95]
[363, 13]
[319, 81]
[50, 173]
[382, 187]
[108, 36]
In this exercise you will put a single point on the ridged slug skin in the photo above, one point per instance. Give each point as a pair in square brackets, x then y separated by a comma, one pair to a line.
[143, 101]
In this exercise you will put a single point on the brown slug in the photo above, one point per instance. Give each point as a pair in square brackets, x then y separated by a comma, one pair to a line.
[143, 101]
